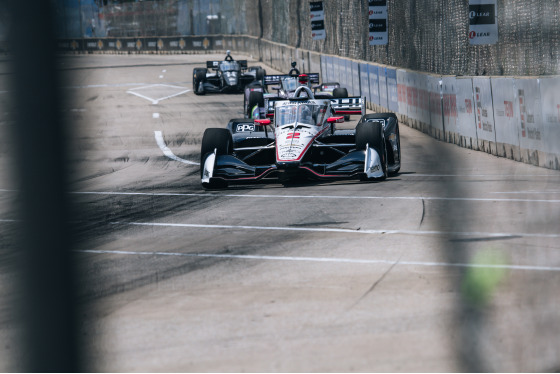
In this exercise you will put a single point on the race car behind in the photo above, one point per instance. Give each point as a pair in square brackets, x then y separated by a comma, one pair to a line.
[228, 75]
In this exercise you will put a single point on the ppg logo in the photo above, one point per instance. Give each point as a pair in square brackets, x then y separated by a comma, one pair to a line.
[245, 127]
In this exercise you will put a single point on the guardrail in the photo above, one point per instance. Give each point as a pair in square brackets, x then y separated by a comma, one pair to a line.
[513, 117]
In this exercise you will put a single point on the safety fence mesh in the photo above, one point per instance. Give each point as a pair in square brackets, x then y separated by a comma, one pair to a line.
[429, 36]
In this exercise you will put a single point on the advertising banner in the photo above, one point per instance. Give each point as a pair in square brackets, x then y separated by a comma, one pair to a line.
[392, 93]
[355, 78]
[449, 103]
[527, 106]
[317, 18]
[383, 87]
[435, 95]
[484, 115]
[336, 69]
[324, 69]
[465, 107]
[505, 118]
[374, 84]
[483, 22]
[377, 16]
[364, 82]
[401, 91]
[330, 69]
[550, 101]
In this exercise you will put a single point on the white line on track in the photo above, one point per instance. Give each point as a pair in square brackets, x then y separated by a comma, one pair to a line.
[505, 235]
[166, 151]
[155, 102]
[328, 260]
[333, 197]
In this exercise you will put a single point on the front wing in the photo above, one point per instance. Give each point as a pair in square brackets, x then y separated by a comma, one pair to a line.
[229, 168]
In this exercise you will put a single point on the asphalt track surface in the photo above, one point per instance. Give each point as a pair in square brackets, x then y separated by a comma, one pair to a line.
[338, 276]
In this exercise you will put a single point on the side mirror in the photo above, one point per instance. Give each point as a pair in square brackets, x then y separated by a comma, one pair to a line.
[262, 122]
[335, 119]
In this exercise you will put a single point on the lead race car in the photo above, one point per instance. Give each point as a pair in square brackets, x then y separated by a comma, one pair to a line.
[302, 142]
[228, 75]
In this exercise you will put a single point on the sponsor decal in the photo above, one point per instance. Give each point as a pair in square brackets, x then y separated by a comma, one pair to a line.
[245, 127]
[374, 168]
[294, 135]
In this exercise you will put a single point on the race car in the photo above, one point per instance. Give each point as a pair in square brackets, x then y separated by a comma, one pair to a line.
[228, 75]
[302, 143]
[259, 102]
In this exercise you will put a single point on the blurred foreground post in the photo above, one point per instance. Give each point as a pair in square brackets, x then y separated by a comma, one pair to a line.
[48, 308]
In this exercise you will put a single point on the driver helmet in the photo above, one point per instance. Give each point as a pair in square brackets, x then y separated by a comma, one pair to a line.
[303, 79]
[228, 56]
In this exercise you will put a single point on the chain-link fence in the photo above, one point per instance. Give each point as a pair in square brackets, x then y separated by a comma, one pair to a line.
[429, 36]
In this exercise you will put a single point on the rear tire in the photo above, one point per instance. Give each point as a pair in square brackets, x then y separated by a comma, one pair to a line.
[255, 98]
[340, 92]
[221, 141]
[371, 134]
[259, 76]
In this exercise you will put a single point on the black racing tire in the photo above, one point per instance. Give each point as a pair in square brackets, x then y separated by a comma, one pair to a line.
[371, 134]
[255, 98]
[390, 151]
[219, 140]
[199, 76]
[259, 75]
[340, 92]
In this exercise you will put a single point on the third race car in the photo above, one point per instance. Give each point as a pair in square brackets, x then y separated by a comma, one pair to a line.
[228, 75]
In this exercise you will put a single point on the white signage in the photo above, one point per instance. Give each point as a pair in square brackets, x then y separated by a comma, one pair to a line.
[483, 22]
[377, 16]
[317, 18]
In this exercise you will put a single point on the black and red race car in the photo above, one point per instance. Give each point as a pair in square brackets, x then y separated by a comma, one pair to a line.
[301, 143]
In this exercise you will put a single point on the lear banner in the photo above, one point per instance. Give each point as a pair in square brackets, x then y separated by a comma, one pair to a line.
[483, 22]
[377, 15]
[317, 17]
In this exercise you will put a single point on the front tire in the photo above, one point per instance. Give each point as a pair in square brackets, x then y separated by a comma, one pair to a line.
[221, 141]
[199, 76]
[371, 134]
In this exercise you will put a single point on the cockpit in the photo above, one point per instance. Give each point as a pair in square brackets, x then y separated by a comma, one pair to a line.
[229, 66]
[300, 113]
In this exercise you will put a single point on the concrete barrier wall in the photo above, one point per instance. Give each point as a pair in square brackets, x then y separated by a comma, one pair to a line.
[516, 118]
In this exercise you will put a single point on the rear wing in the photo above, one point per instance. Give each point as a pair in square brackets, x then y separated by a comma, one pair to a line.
[348, 105]
[276, 79]
[214, 64]
[351, 106]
